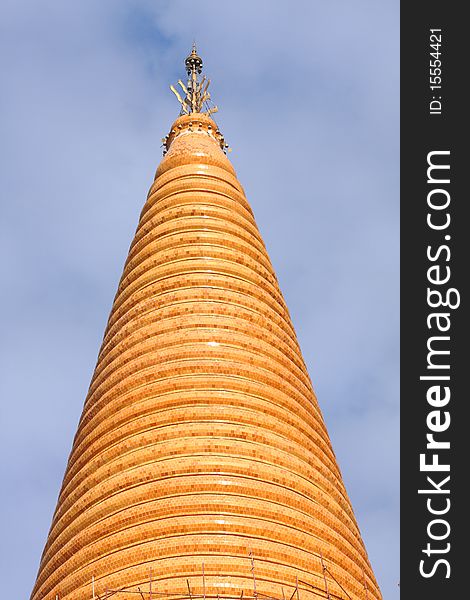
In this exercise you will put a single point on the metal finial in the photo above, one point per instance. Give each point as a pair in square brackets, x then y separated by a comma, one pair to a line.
[196, 97]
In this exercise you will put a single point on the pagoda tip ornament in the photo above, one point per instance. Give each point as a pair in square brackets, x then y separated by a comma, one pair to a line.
[196, 97]
[196, 105]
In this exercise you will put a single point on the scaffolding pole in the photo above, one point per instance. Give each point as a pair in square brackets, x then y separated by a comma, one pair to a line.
[365, 585]
[324, 577]
[189, 590]
[255, 593]
[337, 582]
[203, 582]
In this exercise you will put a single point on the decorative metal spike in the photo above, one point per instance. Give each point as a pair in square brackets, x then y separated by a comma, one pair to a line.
[195, 92]
[176, 93]
[183, 87]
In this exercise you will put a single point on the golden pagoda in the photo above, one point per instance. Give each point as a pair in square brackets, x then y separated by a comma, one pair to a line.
[202, 467]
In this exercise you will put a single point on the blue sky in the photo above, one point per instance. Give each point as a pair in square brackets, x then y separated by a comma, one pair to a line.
[308, 97]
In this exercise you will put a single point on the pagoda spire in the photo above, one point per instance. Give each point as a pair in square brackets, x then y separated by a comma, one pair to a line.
[201, 467]
[196, 97]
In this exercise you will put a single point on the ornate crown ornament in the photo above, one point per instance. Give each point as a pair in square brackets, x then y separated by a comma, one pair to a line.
[196, 97]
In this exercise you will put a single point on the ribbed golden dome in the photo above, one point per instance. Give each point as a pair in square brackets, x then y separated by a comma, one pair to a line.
[201, 439]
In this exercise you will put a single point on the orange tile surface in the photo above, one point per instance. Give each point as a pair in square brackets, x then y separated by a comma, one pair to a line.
[201, 439]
